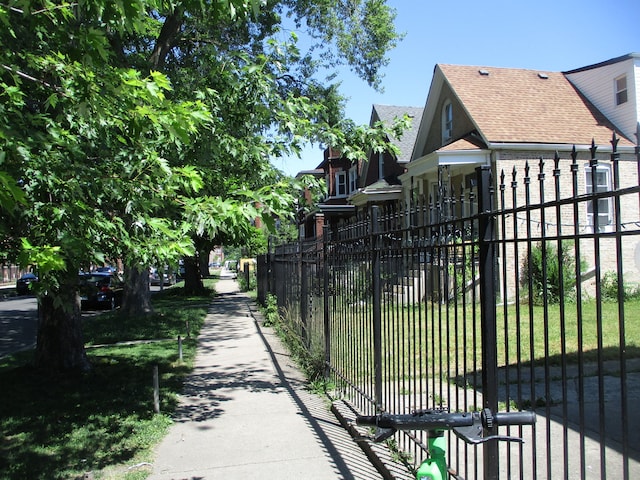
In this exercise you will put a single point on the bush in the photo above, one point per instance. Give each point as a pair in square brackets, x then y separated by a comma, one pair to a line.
[270, 311]
[611, 284]
[242, 281]
[542, 272]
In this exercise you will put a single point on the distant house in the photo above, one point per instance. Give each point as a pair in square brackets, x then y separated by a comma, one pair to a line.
[355, 184]
[507, 118]
[310, 222]
[340, 175]
[380, 181]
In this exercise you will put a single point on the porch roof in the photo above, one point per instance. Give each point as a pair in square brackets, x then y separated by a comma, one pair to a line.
[380, 191]
[467, 151]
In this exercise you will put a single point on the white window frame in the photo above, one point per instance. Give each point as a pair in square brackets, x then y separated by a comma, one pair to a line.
[605, 205]
[353, 179]
[621, 90]
[341, 184]
[380, 165]
[447, 121]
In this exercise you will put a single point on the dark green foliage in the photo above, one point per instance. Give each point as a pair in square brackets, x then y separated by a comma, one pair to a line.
[270, 311]
[548, 273]
[610, 288]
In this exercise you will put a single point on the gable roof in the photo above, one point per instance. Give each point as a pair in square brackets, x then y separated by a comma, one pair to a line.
[470, 142]
[612, 61]
[387, 114]
[522, 106]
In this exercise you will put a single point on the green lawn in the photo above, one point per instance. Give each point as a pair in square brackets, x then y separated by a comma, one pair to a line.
[445, 340]
[575, 336]
[104, 421]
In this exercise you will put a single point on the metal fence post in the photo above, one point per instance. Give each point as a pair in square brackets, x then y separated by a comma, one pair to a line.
[304, 297]
[377, 306]
[325, 293]
[488, 319]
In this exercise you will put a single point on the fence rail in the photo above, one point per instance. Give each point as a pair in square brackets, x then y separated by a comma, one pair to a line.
[529, 301]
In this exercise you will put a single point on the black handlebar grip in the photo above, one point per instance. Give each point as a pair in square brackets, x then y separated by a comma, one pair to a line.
[515, 418]
[367, 420]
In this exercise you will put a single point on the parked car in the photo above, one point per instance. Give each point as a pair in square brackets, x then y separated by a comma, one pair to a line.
[154, 278]
[100, 290]
[23, 285]
[180, 274]
[106, 269]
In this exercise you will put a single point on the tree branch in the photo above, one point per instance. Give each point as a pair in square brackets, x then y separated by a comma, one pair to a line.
[165, 42]
[33, 79]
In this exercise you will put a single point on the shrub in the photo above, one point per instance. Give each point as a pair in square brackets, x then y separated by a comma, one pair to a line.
[242, 281]
[542, 272]
[462, 269]
[610, 285]
[270, 311]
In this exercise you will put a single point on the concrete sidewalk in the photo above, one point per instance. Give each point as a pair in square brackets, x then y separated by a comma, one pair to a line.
[245, 413]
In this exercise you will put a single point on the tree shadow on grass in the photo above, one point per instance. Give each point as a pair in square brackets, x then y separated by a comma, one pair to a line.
[63, 426]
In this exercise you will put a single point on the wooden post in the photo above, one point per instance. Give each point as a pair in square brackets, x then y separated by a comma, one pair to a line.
[156, 390]
[180, 347]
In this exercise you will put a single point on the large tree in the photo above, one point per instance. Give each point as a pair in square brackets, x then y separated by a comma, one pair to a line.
[135, 130]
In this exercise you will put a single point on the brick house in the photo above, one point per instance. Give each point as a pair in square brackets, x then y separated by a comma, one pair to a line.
[380, 181]
[357, 184]
[505, 118]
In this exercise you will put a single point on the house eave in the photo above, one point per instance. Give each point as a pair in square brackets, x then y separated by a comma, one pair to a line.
[552, 147]
[429, 163]
[336, 210]
[362, 197]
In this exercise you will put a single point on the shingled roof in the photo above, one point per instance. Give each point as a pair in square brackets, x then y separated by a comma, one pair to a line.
[387, 114]
[527, 106]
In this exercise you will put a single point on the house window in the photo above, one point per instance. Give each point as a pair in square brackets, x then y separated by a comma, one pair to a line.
[447, 122]
[353, 179]
[380, 165]
[605, 205]
[621, 90]
[341, 184]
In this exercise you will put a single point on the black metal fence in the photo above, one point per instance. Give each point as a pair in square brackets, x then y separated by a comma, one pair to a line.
[503, 296]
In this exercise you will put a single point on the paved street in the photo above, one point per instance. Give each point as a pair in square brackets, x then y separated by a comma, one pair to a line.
[18, 323]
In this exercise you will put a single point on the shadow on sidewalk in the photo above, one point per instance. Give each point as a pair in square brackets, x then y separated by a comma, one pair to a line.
[348, 458]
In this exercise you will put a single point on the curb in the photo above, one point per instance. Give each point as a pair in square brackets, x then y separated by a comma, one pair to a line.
[377, 453]
[7, 291]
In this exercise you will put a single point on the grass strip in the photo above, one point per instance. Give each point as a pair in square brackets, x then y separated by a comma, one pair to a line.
[103, 421]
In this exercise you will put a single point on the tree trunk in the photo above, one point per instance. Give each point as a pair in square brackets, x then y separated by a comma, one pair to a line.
[192, 278]
[203, 261]
[60, 344]
[136, 300]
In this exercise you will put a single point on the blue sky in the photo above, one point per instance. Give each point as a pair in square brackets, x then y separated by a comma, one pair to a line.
[553, 35]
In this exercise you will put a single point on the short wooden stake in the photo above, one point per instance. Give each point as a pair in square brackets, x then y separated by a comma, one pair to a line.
[180, 347]
[156, 390]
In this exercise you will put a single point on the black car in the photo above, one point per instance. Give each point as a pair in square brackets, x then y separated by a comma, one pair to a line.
[100, 290]
[167, 278]
[23, 285]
